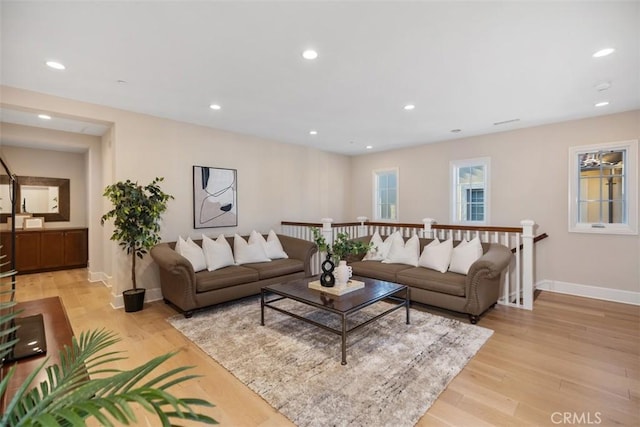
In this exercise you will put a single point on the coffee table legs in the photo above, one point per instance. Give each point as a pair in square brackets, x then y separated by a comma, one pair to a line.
[344, 339]
[406, 303]
[343, 332]
[262, 307]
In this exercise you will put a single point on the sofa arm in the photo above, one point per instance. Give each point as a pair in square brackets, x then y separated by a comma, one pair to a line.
[483, 279]
[177, 278]
[299, 249]
[492, 263]
[169, 259]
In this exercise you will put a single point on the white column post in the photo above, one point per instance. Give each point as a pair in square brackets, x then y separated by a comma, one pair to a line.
[428, 231]
[527, 263]
[327, 231]
[362, 229]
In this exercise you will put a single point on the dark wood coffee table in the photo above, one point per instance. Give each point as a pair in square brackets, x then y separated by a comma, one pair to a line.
[343, 305]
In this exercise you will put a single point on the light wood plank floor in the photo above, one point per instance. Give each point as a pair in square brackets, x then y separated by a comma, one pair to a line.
[571, 361]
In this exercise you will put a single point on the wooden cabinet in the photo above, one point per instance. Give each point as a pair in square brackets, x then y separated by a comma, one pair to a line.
[51, 249]
[45, 250]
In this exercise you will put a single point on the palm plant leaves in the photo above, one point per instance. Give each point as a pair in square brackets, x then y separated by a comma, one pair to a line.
[69, 395]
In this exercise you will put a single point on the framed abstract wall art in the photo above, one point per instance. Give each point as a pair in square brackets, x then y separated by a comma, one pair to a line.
[215, 197]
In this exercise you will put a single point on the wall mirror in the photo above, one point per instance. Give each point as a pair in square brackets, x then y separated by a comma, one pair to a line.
[42, 197]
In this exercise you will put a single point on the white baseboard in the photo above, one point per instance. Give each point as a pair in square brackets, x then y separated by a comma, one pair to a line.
[99, 276]
[587, 291]
[149, 296]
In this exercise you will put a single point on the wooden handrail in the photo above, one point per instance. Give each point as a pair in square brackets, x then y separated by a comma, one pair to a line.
[319, 224]
[535, 240]
[410, 225]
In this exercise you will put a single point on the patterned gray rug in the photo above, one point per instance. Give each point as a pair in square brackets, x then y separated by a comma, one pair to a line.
[394, 371]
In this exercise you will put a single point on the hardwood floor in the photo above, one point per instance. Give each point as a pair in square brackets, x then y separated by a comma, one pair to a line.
[570, 361]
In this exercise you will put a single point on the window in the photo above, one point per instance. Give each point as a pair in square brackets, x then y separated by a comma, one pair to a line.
[385, 195]
[470, 191]
[603, 188]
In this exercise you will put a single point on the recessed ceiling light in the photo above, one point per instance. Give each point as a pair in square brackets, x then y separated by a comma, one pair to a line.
[215, 107]
[55, 65]
[313, 132]
[44, 116]
[369, 147]
[604, 52]
[409, 107]
[309, 54]
[602, 104]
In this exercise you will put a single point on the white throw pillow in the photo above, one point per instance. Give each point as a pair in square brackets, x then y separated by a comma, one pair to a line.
[380, 248]
[465, 254]
[272, 246]
[437, 255]
[404, 253]
[191, 251]
[217, 252]
[245, 253]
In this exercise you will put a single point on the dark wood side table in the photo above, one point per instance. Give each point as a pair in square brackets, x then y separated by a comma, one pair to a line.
[58, 333]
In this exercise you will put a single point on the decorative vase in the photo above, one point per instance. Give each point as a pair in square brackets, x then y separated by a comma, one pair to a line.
[343, 273]
[326, 278]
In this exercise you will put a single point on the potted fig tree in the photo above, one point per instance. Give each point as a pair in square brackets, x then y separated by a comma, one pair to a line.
[136, 211]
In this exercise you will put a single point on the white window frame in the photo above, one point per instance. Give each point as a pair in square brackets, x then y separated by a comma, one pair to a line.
[376, 174]
[454, 208]
[630, 189]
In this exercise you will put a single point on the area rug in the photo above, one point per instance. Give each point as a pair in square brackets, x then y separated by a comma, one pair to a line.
[394, 371]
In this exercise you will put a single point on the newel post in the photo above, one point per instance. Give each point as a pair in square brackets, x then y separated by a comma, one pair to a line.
[527, 262]
[428, 231]
[327, 231]
[362, 229]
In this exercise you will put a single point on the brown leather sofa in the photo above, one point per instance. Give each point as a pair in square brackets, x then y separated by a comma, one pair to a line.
[472, 293]
[188, 290]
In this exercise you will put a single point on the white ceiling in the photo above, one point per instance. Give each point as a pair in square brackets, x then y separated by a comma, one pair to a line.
[464, 65]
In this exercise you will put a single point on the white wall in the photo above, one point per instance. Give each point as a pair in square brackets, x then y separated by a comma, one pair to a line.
[276, 181]
[529, 180]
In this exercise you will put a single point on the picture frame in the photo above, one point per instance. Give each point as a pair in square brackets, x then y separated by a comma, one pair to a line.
[33, 223]
[19, 220]
[215, 197]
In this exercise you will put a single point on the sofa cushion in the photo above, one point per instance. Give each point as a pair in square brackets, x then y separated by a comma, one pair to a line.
[193, 252]
[217, 252]
[436, 255]
[402, 252]
[224, 277]
[432, 280]
[247, 253]
[277, 267]
[377, 269]
[465, 254]
[380, 248]
[272, 246]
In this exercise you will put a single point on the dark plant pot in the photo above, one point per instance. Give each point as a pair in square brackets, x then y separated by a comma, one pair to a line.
[133, 299]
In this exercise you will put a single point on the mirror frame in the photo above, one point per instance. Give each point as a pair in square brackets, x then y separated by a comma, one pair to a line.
[63, 196]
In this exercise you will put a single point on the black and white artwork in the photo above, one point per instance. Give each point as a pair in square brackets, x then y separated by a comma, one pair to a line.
[215, 197]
